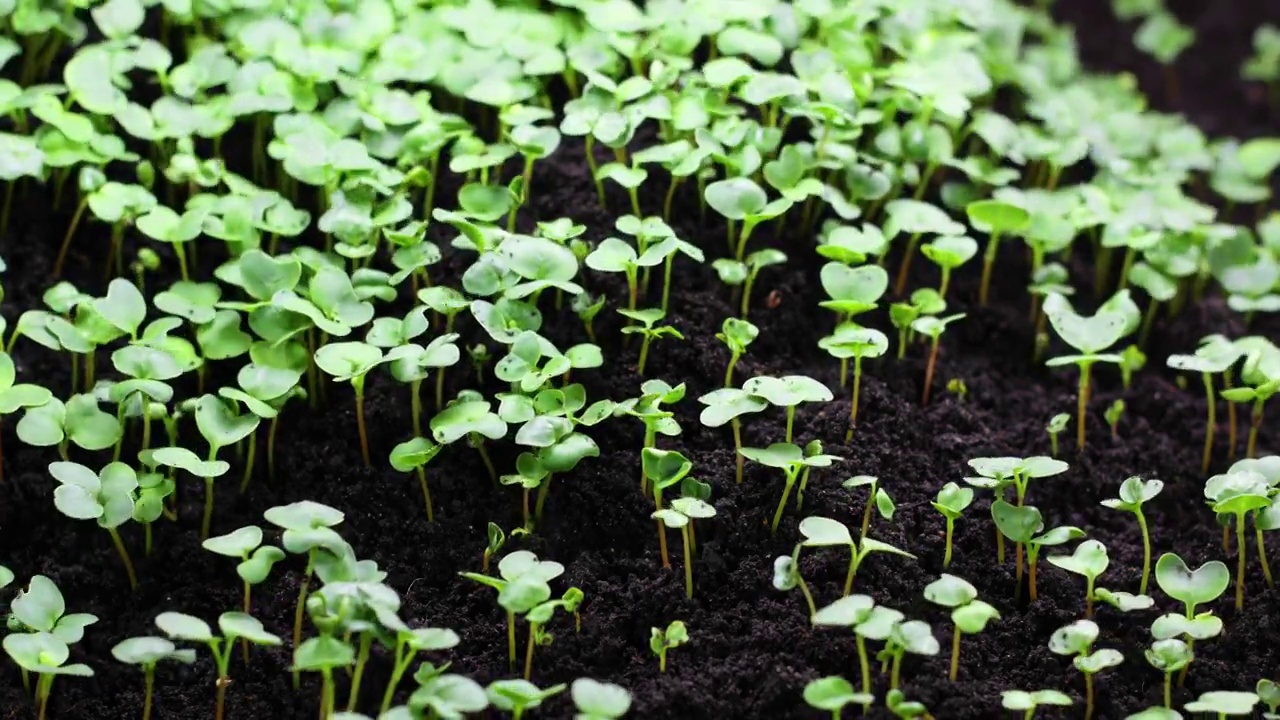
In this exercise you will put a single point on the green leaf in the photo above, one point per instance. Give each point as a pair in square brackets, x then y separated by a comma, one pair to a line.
[1192, 587]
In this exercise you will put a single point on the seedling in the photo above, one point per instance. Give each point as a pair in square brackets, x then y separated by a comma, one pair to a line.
[521, 585]
[1116, 318]
[912, 636]
[1224, 703]
[663, 469]
[791, 460]
[832, 694]
[324, 654]
[1112, 415]
[997, 219]
[952, 501]
[146, 653]
[539, 616]
[787, 392]
[222, 426]
[1056, 425]
[256, 561]
[105, 496]
[1018, 523]
[618, 256]
[957, 387]
[660, 641]
[1191, 587]
[597, 700]
[932, 327]
[1051, 538]
[408, 644]
[1238, 493]
[1208, 363]
[1027, 702]
[1261, 374]
[737, 335]
[868, 622]
[15, 396]
[1169, 656]
[495, 539]
[875, 496]
[969, 614]
[850, 340]
[825, 532]
[1132, 359]
[1135, 491]
[308, 528]
[646, 328]
[786, 576]
[351, 362]
[1089, 560]
[905, 709]
[46, 656]
[949, 252]
[1077, 641]
[232, 625]
[657, 420]
[740, 199]
[518, 696]
[1269, 694]
[681, 515]
[470, 416]
[728, 405]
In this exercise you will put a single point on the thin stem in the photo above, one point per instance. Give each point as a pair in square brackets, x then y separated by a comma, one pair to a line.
[782, 504]
[1033, 560]
[244, 642]
[999, 546]
[904, 268]
[1231, 418]
[808, 598]
[591, 163]
[366, 643]
[928, 370]
[988, 264]
[488, 464]
[249, 460]
[364, 438]
[1168, 690]
[1212, 424]
[511, 639]
[426, 493]
[440, 389]
[1146, 552]
[66, 239]
[1262, 556]
[1082, 404]
[863, 665]
[220, 703]
[1240, 557]
[688, 561]
[737, 447]
[666, 281]
[271, 449]
[1088, 696]
[955, 654]
[148, 684]
[528, 651]
[644, 354]
[946, 555]
[852, 573]
[791, 420]
[208, 509]
[124, 557]
[895, 673]
[302, 603]
[857, 390]
[543, 491]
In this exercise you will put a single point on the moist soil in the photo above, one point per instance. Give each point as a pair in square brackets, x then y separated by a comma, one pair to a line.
[751, 649]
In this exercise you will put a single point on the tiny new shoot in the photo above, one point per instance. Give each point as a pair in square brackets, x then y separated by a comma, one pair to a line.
[1238, 493]
[646, 328]
[232, 625]
[146, 653]
[969, 614]
[660, 641]
[728, 405]
[351, 362]
[256, 561]
[997, 219]
[791, 460]
[1076, 640]
[1169, 656]
[1027, 702]
[1209, 360]
[1090, 336]
[932, 327]
[1056, 425]
[832, 694]
[1192, 588]
[1135, 491]
[825, 532]
[663, 469]
[951, 502]
[681, 516]
[1089, 560]
[736, 334]
[854, 341]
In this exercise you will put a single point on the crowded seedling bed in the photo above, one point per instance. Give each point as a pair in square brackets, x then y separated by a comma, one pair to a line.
[683, 359]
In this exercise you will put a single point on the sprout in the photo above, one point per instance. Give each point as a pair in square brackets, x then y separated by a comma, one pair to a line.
[741, 199]
[900, 706]
[957, 387]
[850, 340]
[45, 655]
[308, 527]
[951, 502]
[1238, 493]
[1224, 703]
[1169, 656]
[105, 496]
[868, 622]
[495, 539]
[517, 696]
[729, 405]
[540, 615]
[323, 654]
[14, 396]
[832, 693]
[1090, 336]
[1132, 359]
[1027, 702]
[932, 327]
[41, 609]
[232, 625]
[648, 407]
[969, 614]
[663, 468]
[825, 532]
[1090, 560]
[875, 496]
[786, 576]
[1269, 694]
[1113, 414]
[995, 218]
[1191, 587]
[469, 416]
[660, 641]
[788, 392]
[221, 426]
[618, 256]
[1018, 523]
[408, 643]
[1209, 360]
[1135, 491]
[791, 459]
[647, 318]
[912, 636]
[737, 335]
[521, 586]
[681, 515]
[146, 652]
[1077, 640]
[256, 561]
[1056, 425]
[949, 252]
[596, 700]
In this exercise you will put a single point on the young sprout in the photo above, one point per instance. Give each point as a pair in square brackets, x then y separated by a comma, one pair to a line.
[351, 362]
[324, 654]
[1155, 713]
[996, 218]
[786, 576]
[949, 252]
[222, 426]
[1261, 374]
[521, 585]
[106, 496]
[924, 301]
[791, 459]
[1135, 491]
[875, 496]
[728, 405]
[1268, 692]
[256, 561]
[737, 335]
[413, 455]
[957, 387]
[868, 622]
[469, 416]
[1169, 656]
[850, 340]
[539, 616]
[1113, 414]
[952, 501]
[597, 700]
[932, 327]
[825, 532]
[1132, 359]
[495, 539]
[912, 636]
[1224, 703]
[518, 696]
[1027, 702]
[787, 392]
[14, 395]
[741, 199]
[660, 641]
[832, 694]
[1090, 560]
[663, 469]
[905, 709]
[969, 614]
[647, 318]
[681, 515]
[1077, 641]
[1090, 336]
[1238, 493]
[408, 643]
[1208, 363]
[232, 625]
[146, 652]
[1191, 587]
[308, 528]
[1019, 523]
[1056, 425]
[45, 655]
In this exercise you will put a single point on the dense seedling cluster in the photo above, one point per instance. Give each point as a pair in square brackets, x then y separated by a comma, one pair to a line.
[360, 216]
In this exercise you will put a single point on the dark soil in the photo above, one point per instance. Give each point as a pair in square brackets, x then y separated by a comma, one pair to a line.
[751, 649]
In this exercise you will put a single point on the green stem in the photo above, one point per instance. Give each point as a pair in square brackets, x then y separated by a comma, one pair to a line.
[302, 603]
[124, 557]
[488, 464]
[946, 557]
[1082, 404]
[271, 448]
[955, 654]
[1211, 425]
[426, 493]
[644, 354]
[1240, 557]
[358, 384]
[591, 163]
[528, 651]
[857, 389]
[66, 239]
[207, 521]
[1146, 552]
[782, 504]
[148, 684]
[511, 639]
[666, 281]
[249, 460]
[988, 264]
[1262, 556]
[688, 564]
[366, 642]
[737, 447]
[543, 490]
[864, 666]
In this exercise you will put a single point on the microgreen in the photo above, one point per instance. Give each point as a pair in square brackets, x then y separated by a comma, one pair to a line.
[832, 694]
[1209, 360]
[646, 319]
[1054, 428]
[518, 696]
[788, 392]
[308, 528]
[950, 252]
[791, 460]
[1224, 703]
[45, 655]
[996, 219]
[911, 636]
[1077, 641]
[1089, 560]
[106, 496]
[1135, 491]
[682, 514]
[1169, 656]
[1019, 523]
[728, 405]
[1190, 587]
[146, 652]
[597, 700]
[15, 396]
[660, 641]
[469, 416]
[663, 469]
[786, 576]
[1027, 702]
[232, 625]
[351, 362]
[969, 614]
[407, 645]
[256, 561]
[951, 502]
[736, 334]
[825, 532]
[868, 621]
[932, 327]
[850, 340]
[1238, 493]
[521, 585]
[648, 407]
[740, 199]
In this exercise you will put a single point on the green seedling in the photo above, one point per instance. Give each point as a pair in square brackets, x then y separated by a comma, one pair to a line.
[495, 539]
[908, 215]
[1077, 641]
[786, 576]
[1190, 587]
[1112, 415]
[413, 455]
[737, 335]
[648, 408]
[1224, 703]
[41, 609]
[1057, 424]
[788, 392]
[1238, 493]
[408, 644]
[924, 301]
[618, 256]
[1117, 318]
[222, 426]
[539, 616]
[663, 469]
[996, 219]
[681, 516]
[522, 584]
[470, 416]
[832, 693]
[232, 625]
[868, 622]
[351, 362]
[755, 262]
[45, 656]
[1268, 692]
[517, 696]
[660, 641]
[876, 496]
[969, 615]
[1169, 656]
[1208, 364]
[853, 291]
[949, 253]
[597, 700]
[308, 528]
[1261, 375]
[1134, 492]
[106, 497]
[791, 460]
[957, 387]
[932, 327]
[740, 199]
[1051, 538]
[646, 328]
[825, 532]
[1019, 523]
[911, 636]
[146, 653]
[1155, 713]
[1089, 560]
[905, 709]
[1027, 702]
[15, 396]
[325, 654]
[850, 340]
[728, 405]
[951, 502]
[264, 390]
[256, 562]
[1132, 359]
